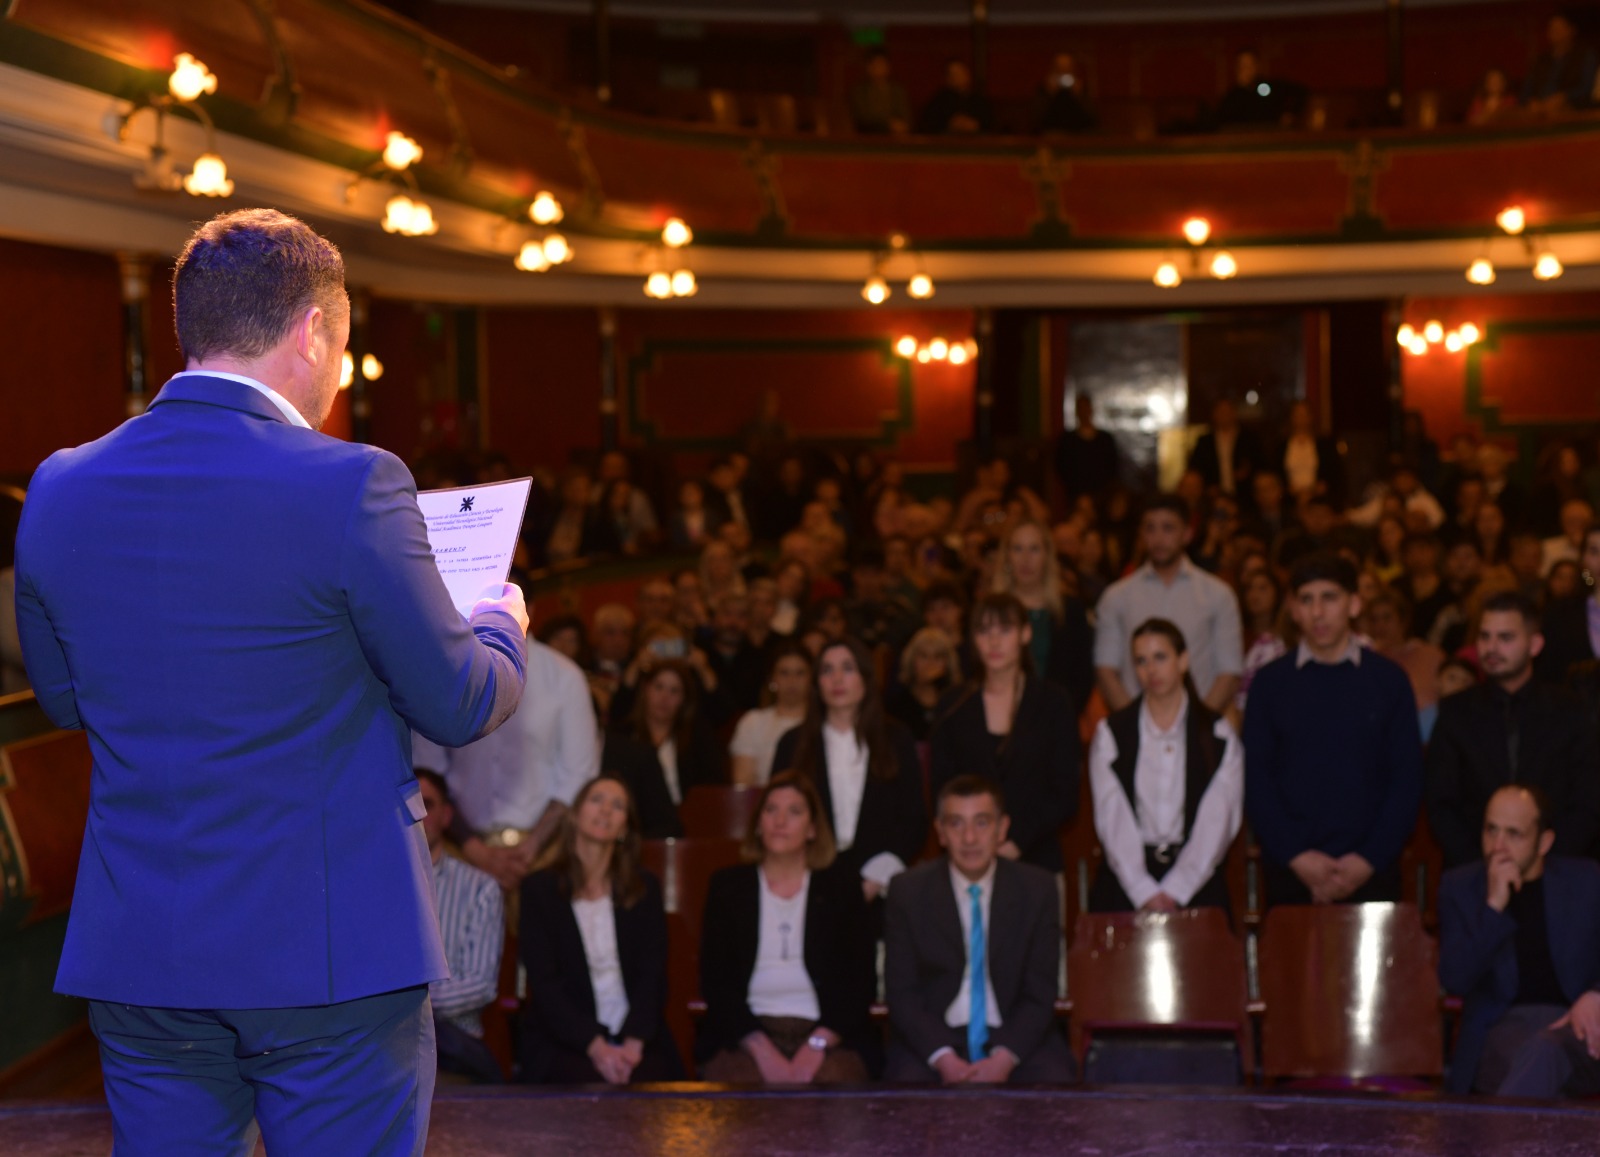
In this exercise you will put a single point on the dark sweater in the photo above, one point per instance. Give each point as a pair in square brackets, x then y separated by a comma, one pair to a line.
[1333, 759]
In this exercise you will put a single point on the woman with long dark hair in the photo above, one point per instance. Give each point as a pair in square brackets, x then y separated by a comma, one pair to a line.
[663, 747]
[593, 937]
[1167, 775]
[864, 766]
[1013, 728]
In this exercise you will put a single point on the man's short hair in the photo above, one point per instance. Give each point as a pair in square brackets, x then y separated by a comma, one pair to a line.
[438, 782]
[1514, 602]
[945, 591]
[970, 787]
[1169, 502]
[245, 278]
[1541, 804]
[1323, 566]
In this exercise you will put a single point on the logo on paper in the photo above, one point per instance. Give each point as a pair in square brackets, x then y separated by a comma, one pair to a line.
[466, 505]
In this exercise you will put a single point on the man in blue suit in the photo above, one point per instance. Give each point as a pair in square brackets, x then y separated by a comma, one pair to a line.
[1519, 939]
[245, 617]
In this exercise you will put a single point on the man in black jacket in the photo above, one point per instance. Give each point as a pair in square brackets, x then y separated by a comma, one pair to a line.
[973, 949]
[1512, 728]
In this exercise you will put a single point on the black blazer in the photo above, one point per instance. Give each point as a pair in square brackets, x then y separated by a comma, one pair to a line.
[927, 954]
[1072, 653]
[560, 995]
[634, 761]
[894, 812]
[1247, 457]
[1037, 769]
[1566, 639]
[839, 956]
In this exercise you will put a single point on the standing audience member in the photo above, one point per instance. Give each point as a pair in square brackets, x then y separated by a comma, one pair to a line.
[1310, 464]
[878, 104]
[1512, 729]
[592, 935]
[691, 525]
[755, 738]
[956, 108]
[973, 950]
[1494, 101]
[1062, 103]
[1333, 758]
[786, 962]
[1519, 940]
[929, 666]
[510, 788]
[580, 528]
[1167, 776]
[1169, 586]
[735, 662]
[1060, 644]
[472, 923]
[1562, 76]
[1423, 587]
[610, 650]
[664, 748]
[1572, 624]
[1254, 101]
[1227, 454]
[864, 766]
[1386, 620]
[1017, 730]
[1261, 614]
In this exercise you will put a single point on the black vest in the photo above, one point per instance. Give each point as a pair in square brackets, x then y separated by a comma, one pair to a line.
[1203, 751]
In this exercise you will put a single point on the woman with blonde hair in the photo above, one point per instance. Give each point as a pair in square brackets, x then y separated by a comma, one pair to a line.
[929, 666]
[1060, 641]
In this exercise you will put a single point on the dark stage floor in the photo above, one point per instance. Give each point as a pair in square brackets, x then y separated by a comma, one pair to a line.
[693, 1122]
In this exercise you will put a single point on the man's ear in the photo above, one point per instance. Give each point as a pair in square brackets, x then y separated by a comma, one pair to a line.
[1547, 840]
[1005, 828]
[306, 330]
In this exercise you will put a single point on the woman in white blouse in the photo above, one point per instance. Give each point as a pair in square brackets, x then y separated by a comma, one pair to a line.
[593, 937]
[1167, 776]
[786, 961]
[755, 738]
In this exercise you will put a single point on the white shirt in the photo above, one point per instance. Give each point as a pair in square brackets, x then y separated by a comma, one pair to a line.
[1159, 782]
[272, 395]
[960, 1010]
[546, 751]
[847, 781]
[597, 925]
[757, 735]
[780, 984]
[667, 756]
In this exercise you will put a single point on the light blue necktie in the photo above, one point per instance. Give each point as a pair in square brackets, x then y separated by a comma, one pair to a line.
[978, 1019]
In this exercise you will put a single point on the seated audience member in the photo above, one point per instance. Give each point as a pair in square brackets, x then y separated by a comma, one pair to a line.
[663, 748]
[864, 766]
[1167, 776]
[580, 528]
[1576, 518]
[1456, 675]
[1386, 621]
[1311, 464]
[1016, 729]
[719, 572]
[1494, 101]
[1093, 570]
[1269, 505]
[1524, 558]
[592, 935]
[1562, 76]
[1512, 729]
[1261, 616]
[1494, 464]
[725, 499]
[1560, 481]
[929, 666]
[1060, 643]
[955, 108]
[944, 607]
[878, 104]
[632, 522]
[1462, 572]
[874, 617]
[1563, 582]
[1519, 940]
[1169, 586]
[735, 661]
[786, 962]
[1227, 454]
[763, 593]
[511, 787]
[1062, 103]
[656, 641]
[1572, 623]
[1422, 585]
[827, 617]
[793, 579]
[1255, 101]
[755, 738]
[1333, 757]
[973, 949]
[610, 651]
[564, 634]
[472, 924]
[690, 609]
[1489, 529]
[691, 524]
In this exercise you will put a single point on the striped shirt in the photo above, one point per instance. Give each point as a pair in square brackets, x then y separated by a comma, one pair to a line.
[472, 922]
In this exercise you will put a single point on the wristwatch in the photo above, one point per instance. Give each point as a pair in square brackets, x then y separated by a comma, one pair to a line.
[817, 1041]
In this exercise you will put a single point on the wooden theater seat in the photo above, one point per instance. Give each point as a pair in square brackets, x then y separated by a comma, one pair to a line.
[44, 785]
[1351, 996]
[684, 868]
[717, 811]
[1182, 973]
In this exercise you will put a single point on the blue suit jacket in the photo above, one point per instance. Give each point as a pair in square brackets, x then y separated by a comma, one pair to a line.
[1478, 949]
[245, 616]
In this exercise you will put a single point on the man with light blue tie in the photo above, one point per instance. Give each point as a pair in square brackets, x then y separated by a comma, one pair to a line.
[973, 950]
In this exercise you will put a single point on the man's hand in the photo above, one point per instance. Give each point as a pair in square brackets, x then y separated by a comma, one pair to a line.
[1009, 851]
[506, 865]
[610, 1061]
[1504, 878]
[1160, 902]
[871, 889]
[1584, 1020]
[775, 1068]
[994, 1069]
[803, 1068]
[1316, 872]
[1350, 871]
[510, 601]
[952, 1069]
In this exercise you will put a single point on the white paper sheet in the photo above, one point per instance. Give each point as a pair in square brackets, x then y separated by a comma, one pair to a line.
[473, 531]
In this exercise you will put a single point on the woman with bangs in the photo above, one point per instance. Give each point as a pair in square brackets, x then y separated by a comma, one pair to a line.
[1016, 729]
[1059, 639]
[929, 666]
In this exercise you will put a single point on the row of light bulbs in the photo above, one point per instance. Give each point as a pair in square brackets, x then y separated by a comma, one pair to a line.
[938, 349]
[1420, 341]
[188, 81]
[1196, 231]
[371, 369]
[876, 291]
[1513, 220]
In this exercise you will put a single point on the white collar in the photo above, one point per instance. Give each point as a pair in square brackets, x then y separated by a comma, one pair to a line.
[1352, 654]
[1147, 723]
[961, 883]
[288, 411]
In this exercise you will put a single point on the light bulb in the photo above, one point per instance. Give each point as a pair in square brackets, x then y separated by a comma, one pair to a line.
[1196, 230]
[920, 286]
[958, 354]
[1167, 275]
[190, 78]
[906, 347]
[556, 249]
[658, 285]
[1405, 333]
[1223, 266]
[397, 214]
[1453, 342]
[876, 290]
[347, 371]
[924, 356]
[531, 258]
[683, 284]
[422, 222]
[1433, 332]
[400, 152]
[1469, 333]
[545, 210]
[1547, 267]
[1512, 219]
[675, 234]
[209, 179]
[1481, 272]
[1419, 345]
[971, 345]
[371, 367]
[938, 349]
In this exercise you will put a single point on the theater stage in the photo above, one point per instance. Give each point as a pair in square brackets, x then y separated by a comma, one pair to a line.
[692, 1121]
